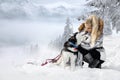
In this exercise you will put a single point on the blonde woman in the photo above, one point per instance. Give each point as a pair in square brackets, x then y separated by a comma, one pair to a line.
[92, 46]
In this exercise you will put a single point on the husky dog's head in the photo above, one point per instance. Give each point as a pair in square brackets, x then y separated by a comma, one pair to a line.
[72, 40]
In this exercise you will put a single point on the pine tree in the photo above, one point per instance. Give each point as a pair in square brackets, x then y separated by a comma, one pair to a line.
[68, 30]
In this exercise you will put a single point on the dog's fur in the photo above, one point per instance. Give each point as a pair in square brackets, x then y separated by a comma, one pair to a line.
[68, 54]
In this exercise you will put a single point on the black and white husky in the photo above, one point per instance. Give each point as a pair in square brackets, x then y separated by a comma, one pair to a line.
[70, 55]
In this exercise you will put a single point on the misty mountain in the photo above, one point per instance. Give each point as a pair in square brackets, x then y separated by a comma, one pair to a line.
[11, 9]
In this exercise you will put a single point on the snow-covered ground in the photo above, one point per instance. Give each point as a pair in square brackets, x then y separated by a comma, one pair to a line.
[13, 61]
[27, 41]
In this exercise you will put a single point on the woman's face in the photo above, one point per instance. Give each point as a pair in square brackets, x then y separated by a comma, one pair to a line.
[88, 28]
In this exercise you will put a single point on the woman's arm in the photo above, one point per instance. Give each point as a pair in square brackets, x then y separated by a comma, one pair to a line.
[87, 45]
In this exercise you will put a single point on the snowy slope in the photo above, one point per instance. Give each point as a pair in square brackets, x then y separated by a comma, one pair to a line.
[15, 66]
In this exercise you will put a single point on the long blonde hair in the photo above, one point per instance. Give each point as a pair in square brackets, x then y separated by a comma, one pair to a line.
[97, 27]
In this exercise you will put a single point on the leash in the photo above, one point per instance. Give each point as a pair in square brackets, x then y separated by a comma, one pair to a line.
[52, 60]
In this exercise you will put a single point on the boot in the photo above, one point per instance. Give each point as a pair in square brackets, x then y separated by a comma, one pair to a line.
[95, 64]
[99, 65]
[88, 58]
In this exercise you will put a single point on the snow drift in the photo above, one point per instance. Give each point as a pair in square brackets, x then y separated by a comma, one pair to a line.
[15, 65]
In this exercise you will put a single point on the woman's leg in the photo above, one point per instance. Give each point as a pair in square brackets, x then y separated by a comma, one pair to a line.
[86, 56]
[96, 62]
[91, 56]
[95, 54]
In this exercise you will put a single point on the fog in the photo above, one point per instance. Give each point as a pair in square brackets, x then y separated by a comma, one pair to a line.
[22, 32]
[29, 21]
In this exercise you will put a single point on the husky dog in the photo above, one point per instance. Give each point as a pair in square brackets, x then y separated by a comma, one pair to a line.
[69, 57]
[69, 53]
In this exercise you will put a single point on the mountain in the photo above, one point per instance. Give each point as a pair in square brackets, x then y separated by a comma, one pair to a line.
[30, 9]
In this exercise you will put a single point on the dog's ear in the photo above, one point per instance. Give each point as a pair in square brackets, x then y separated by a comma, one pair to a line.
[81, 27]
[66, 44]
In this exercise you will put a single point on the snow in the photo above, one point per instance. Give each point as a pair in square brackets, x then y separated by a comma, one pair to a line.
[15, 66]
[27, 41]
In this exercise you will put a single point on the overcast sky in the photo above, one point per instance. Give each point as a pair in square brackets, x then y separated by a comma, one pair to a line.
[54, 1]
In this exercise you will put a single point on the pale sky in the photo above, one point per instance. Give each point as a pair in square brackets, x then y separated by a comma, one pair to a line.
[54, 1]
